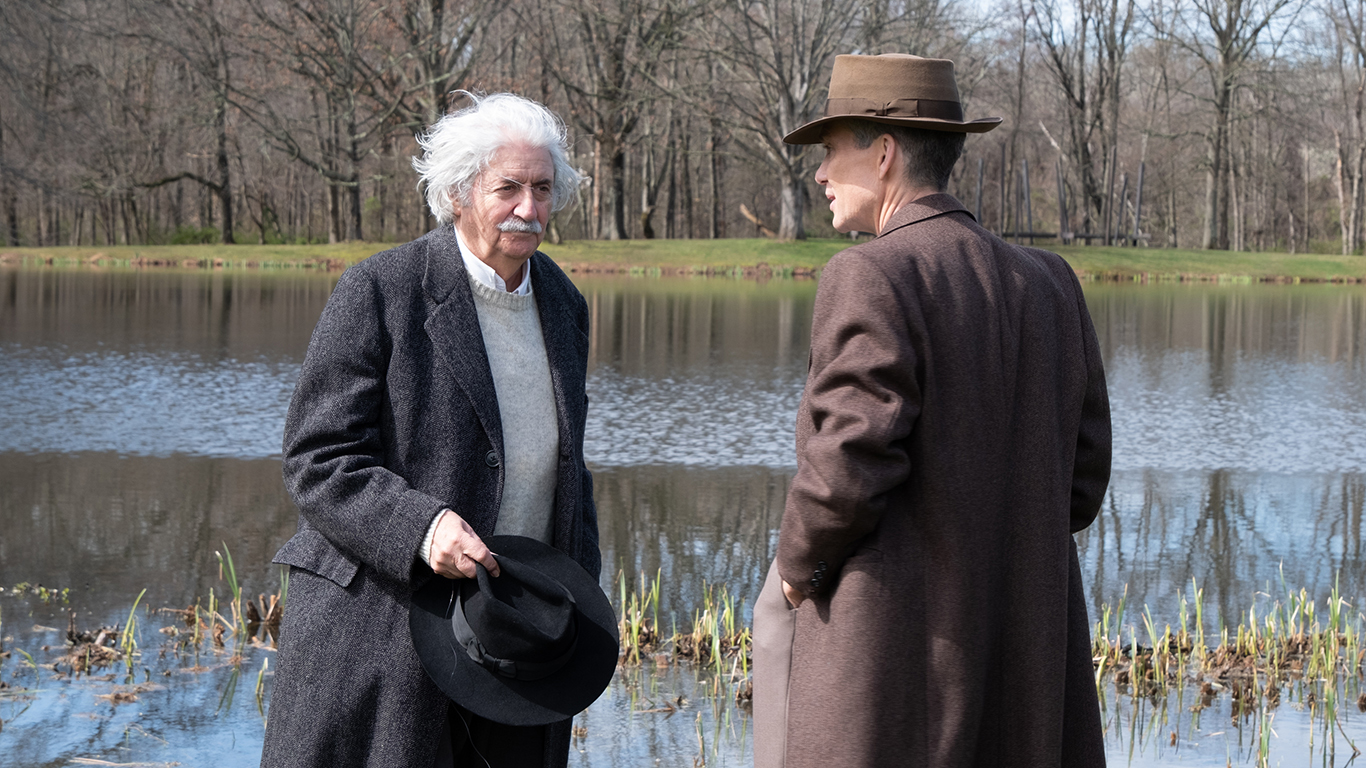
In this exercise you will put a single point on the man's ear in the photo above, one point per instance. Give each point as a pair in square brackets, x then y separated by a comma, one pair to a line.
[890, 157]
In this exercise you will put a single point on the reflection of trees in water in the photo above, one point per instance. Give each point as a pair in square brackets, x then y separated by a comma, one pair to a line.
[109, 526]
[664, 327]
[1297, 323]
[1233, 532]
[214, 314]
[692, 525]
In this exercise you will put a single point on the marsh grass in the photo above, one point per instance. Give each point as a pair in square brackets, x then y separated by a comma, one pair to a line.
[1286, 648]
[716, 640]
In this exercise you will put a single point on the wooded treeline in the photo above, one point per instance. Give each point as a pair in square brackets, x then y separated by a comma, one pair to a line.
[147, 121]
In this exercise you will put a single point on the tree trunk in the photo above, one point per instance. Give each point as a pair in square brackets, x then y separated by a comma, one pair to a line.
[686, 189]
[714, 183]
[9, 195]
[671, 210]
[1357, 172]
[42, 217]
[1340, 186]
[225, 219]
[12, 215]
[792, 216]
[1215, 236]
[613, 221]
[793, 211]
[333, 214]
[353, 195]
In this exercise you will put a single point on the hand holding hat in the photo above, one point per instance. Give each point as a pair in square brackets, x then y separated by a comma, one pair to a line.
[534, 646]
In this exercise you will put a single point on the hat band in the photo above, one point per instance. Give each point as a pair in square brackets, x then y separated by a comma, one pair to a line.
[517, 670]
[928, 108]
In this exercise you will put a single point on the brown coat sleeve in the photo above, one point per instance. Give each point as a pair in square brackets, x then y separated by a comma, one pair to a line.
[861, 401]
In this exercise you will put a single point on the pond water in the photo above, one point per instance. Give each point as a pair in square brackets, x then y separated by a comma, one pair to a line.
[140, 427]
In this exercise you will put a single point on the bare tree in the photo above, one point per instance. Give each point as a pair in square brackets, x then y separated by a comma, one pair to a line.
[606, 59]
[348, 93]
[1224, 35]
[1085, 43]
[778, 55]
[1348, 34]
[197, 33]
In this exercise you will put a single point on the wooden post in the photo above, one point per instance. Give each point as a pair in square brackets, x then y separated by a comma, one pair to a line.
[1138, 202]
[977, 208]
[1064, 236]
[1028, 200]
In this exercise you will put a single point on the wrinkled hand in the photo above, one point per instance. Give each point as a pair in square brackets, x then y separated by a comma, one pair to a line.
[793, 595]
[456, 548]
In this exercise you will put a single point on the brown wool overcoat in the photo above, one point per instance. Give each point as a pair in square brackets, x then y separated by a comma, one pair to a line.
[954, 433]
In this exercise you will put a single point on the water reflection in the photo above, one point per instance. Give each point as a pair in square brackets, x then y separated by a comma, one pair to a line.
[109, 526]
[1266, 379]
[691, 527]
[1235, 533]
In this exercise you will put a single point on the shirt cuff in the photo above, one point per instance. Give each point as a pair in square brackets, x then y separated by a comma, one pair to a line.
[425, 550]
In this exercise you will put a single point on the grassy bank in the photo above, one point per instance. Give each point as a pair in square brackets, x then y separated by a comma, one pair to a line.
[754, 257]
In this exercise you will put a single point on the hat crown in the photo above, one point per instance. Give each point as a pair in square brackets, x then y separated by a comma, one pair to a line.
[521, 624]
[891, 76]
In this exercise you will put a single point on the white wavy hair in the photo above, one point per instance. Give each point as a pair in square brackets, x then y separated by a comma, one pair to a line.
[459, 146]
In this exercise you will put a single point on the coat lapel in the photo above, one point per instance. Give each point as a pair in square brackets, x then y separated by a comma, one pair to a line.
[562, 342]
[453, 327]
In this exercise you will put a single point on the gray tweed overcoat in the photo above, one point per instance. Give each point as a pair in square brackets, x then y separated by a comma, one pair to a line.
[395, 417]
[953, 434]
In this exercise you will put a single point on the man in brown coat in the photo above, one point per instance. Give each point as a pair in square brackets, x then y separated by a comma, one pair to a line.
[926, 607]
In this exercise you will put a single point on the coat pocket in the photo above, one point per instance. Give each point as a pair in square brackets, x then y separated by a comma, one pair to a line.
[311, 551]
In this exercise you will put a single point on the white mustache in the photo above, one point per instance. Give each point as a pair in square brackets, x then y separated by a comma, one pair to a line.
[520, 225]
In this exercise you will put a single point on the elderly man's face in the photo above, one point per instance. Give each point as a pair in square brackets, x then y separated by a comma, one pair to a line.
[850, 178]
[509, 208]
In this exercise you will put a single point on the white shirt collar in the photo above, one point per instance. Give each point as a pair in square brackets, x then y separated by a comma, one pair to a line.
[485, 274]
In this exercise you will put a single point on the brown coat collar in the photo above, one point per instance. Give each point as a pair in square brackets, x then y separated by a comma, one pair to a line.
[923, 208]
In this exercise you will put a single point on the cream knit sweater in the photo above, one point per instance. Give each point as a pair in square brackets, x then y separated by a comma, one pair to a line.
[526, 404]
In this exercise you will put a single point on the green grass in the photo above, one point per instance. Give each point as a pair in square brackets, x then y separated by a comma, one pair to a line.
[1171, 264]
[198, 256]
[735, 257]
[694, 255]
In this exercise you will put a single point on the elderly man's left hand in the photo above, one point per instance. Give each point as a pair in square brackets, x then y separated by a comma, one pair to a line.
[456, 548]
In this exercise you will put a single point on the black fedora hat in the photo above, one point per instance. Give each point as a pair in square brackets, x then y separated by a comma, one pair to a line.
[534, 646]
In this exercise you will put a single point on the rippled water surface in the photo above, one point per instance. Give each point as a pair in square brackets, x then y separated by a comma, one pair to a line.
[140, 429]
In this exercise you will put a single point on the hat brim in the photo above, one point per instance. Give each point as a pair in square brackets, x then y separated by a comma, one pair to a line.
[551, 699]
[811, 132]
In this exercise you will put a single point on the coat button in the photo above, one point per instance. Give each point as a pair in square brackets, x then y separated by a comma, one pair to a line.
[491, 459]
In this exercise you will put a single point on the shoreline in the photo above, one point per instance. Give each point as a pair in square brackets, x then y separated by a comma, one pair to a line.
[754, 259]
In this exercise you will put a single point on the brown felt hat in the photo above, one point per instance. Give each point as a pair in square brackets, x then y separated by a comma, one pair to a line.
[894, 88]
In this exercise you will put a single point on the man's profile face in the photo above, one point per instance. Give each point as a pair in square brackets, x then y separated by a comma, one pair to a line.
[512, 195]
[850, 178]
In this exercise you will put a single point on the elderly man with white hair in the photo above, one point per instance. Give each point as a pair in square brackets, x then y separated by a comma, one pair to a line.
[441, 402]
